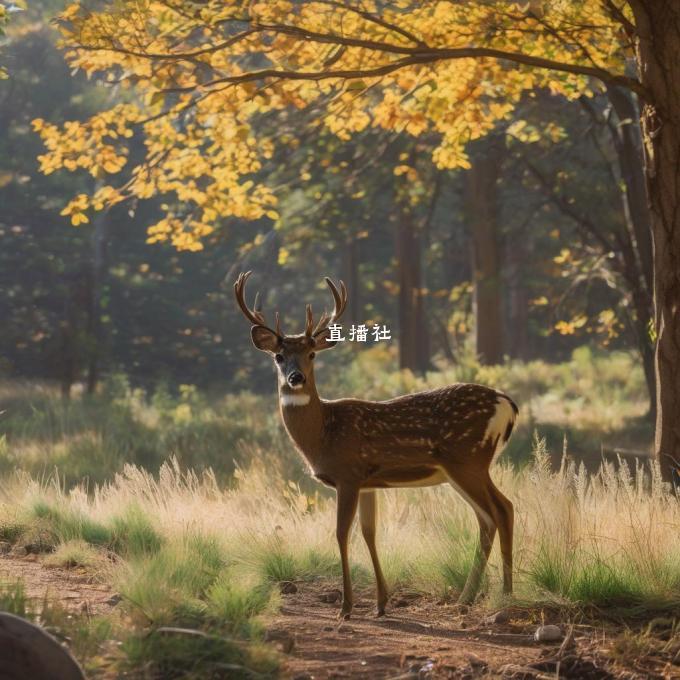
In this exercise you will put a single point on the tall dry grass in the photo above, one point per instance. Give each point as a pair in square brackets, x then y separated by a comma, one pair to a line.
[612, 539]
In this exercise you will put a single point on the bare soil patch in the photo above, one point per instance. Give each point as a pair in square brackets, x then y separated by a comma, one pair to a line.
[73, 589]
[423, 638]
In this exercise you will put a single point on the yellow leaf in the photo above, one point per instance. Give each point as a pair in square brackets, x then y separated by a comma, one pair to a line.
[79, 218]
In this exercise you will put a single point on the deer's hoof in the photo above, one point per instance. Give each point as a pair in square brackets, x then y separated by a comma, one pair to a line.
[380, 612]
[345, 612]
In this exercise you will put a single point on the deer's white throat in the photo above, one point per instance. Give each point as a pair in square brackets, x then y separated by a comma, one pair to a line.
[294, 399]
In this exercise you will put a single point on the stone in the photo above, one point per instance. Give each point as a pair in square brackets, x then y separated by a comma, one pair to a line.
[331, 596]
[548, 633]
[283, 639]
[501, 616]
[28, 651]
[287, 588]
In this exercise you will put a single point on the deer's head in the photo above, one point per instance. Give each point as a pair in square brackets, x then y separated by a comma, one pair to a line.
[292, 354]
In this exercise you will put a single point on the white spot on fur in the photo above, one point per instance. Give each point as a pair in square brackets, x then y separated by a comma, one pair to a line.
[498, 424]
[294, 399]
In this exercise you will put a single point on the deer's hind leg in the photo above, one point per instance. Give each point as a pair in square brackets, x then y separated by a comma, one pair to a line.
[505, 520]
[368, 512]
[473, 485]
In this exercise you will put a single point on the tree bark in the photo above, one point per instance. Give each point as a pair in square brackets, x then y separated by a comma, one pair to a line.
[658, 55]
[94, 313]
[628, 144]
[414, 344]
[351, 269]
[518, 299]
[482, 205]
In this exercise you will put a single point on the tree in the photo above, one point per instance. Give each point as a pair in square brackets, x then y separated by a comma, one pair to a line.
[486, 248]
[205, 72]
[585, 167]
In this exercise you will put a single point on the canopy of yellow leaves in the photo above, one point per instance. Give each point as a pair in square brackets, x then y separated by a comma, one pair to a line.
[202, 75]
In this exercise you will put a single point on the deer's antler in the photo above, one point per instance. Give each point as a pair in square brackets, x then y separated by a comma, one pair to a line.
[340, 300]
[253, 315]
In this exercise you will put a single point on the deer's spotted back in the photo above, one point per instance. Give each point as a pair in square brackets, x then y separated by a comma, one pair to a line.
[442, 424]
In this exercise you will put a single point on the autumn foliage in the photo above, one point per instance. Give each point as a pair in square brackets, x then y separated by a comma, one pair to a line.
[204, 76]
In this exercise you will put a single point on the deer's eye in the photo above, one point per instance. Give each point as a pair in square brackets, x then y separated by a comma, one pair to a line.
[278, 358]
[312, 355]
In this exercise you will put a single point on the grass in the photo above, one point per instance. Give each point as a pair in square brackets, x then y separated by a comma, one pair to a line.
[196, 554]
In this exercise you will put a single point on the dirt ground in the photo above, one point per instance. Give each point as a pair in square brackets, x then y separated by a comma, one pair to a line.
[74, 589]
[423, 638]
[419, 638]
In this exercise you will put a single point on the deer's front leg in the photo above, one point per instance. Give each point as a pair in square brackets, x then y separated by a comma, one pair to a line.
[347, 498]
[368, 512]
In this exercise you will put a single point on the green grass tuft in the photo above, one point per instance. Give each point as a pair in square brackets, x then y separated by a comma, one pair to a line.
[133, 534]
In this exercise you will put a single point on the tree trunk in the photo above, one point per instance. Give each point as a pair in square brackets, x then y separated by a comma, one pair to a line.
[351, 269]
[482, 204]
[414, 345]
[628, 145]
[658, 54]
[94, 313]
[518, 299]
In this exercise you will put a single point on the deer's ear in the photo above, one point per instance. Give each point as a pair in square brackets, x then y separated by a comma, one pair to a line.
[322, 342]
[265, 339]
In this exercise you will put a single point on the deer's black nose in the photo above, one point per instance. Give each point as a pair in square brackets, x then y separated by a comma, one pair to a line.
[295, 378]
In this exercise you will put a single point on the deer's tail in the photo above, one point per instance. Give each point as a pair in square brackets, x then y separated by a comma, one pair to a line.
[501, 423]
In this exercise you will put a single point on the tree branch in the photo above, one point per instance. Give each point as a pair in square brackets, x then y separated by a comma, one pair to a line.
[412, 56]
[581, 221]
[376, 20]
[617, 14]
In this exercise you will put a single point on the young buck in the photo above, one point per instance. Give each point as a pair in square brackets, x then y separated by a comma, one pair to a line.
[450, 434]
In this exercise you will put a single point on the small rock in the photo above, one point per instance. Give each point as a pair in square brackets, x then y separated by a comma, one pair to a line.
[548, 633]
[331, 596]
[283, 639]
[5, 547]
[328, 628]
[287, 587]
[37, 548]
[114, 599]
[499, 617]
[475, 661]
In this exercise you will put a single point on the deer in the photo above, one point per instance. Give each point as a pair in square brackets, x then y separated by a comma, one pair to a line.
[448, 435]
